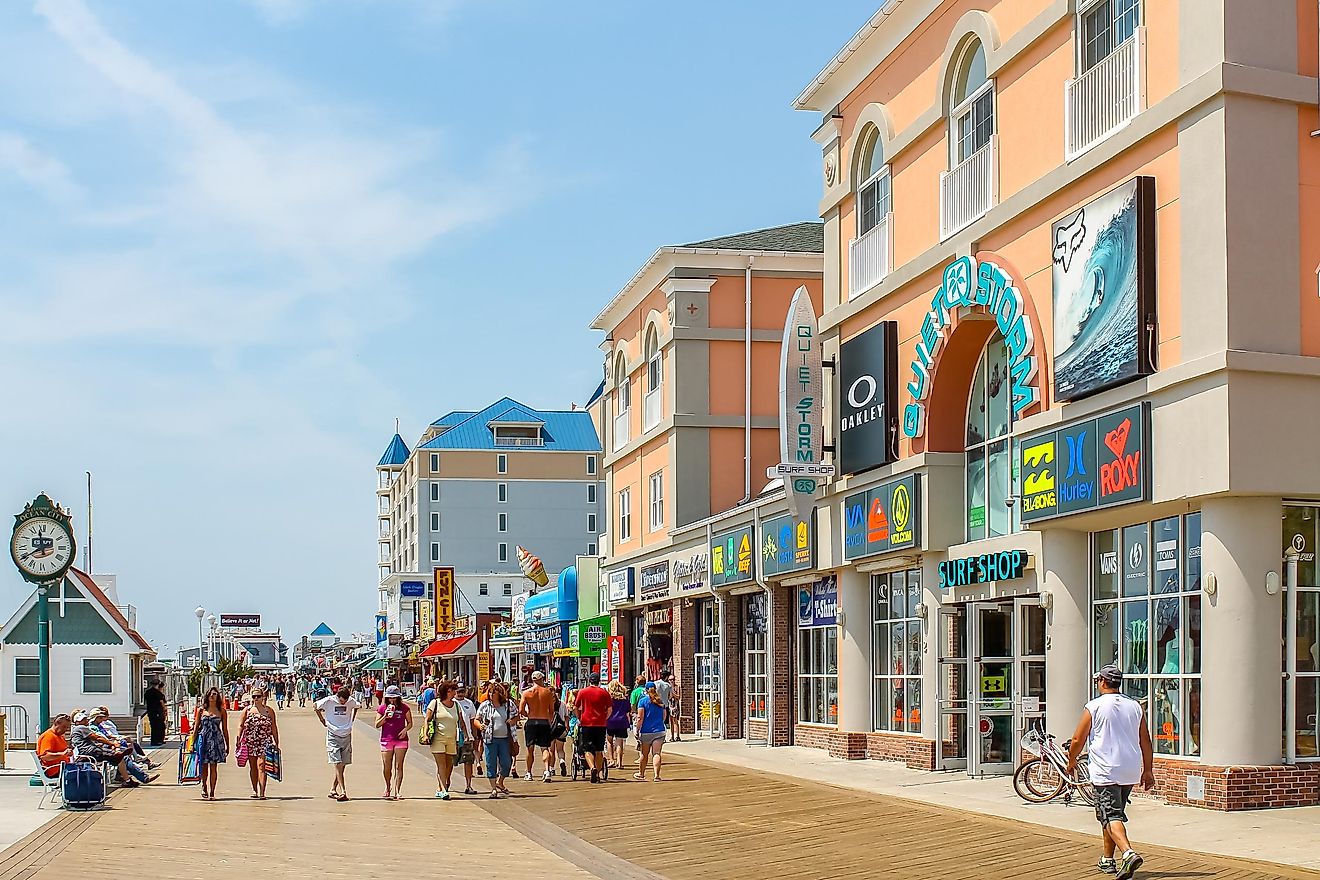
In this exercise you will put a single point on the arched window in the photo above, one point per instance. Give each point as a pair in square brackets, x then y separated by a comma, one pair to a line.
[972, 120]
[989, 446]
[874, 194]
[622, 390]
[654, 362]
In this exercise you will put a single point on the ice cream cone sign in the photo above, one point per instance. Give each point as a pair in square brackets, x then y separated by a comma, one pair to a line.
[532, 568]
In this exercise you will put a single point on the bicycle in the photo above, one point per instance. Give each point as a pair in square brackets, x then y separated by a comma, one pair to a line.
[1045, 776]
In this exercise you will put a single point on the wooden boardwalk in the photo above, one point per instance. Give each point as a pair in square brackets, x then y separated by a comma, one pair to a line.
[708, 821]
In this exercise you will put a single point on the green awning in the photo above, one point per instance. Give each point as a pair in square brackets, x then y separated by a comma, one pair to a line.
[377, 665]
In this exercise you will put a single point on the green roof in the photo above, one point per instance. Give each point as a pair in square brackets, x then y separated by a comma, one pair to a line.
[79, 624]
[377, 665]
[802, 238]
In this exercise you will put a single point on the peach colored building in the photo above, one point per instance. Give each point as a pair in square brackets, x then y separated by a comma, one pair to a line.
[689, 419]
[1070, 281]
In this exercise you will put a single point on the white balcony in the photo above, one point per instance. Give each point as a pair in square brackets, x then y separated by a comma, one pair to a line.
[969, 189]
[519, 441]
[871, 257]
[1106, 97]
[651, 409]
[622, 434]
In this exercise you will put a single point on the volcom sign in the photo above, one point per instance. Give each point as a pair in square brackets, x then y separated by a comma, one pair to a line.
[868, 370]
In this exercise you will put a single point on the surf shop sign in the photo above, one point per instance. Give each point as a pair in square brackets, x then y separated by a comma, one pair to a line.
[969, 282]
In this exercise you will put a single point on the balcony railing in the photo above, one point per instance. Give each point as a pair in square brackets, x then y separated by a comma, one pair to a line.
[870, 257]
[969, 189]
[1106, 97]
[621, 433]
[519, 441]
[651, 409]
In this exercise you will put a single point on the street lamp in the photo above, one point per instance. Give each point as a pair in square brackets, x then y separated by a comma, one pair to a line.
[200, 612]
[210, 618]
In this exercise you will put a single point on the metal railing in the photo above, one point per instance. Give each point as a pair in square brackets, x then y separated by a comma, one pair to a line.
[870, 257]
[1106, 97]
[651, 409]
[519, 441]
[622, 434]
[16, 726]
[969, 189]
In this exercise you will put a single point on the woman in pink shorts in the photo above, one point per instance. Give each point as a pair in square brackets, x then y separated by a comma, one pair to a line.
[394, 719]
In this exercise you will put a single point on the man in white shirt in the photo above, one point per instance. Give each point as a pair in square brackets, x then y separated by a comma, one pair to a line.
[1113, 727]
[337, 713]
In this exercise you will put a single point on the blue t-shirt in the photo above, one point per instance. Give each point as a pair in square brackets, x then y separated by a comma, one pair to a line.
[653, 716]
[424, 701]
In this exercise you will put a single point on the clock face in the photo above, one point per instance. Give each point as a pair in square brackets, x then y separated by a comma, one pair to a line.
[42, 547]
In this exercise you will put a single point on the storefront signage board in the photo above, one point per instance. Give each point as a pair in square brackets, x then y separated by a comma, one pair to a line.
[884, 518]
[240, 621]
[444, 599]
[612, 667]
[621, 585]
[801, 404]
[818, 603]
[382, 629]
[1088, 465]
[868, 391]
[787, 545]
[690, 574]
[412, 589]
[660, 616]
[654, 582]
[987, 568]
[545, 639]
[731, 558]
[425, 620]
[592, 635]
[971, 282]
[758, 613]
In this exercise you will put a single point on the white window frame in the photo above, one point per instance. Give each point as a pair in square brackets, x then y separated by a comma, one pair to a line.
[109, 676]
[591, 463]
[508, 589]
[756, 675]
[435, 521]
[625, 514]
[1085, 8]
[591, 493]
[435, 462]
[502, 463]
[591, 523]
[435, 490]
[435, 551]
[503, 522]
[813, 673]
[484, 590]
[504, 552]
[657, 495]
[655, 361]
[883, 671]
[502, 493]
[964, 110]
[591, 549]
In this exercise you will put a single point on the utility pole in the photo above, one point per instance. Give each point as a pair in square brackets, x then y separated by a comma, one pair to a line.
[87, 551]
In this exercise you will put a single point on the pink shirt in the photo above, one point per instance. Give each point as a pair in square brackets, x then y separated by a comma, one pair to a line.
[392, 729]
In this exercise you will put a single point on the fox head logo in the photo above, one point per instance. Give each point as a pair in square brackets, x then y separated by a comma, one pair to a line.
[1068, 239]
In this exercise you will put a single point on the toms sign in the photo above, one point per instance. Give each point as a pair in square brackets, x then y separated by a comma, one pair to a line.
[800, 405]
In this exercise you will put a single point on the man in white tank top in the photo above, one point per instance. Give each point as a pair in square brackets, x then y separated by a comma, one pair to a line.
[1113, 728]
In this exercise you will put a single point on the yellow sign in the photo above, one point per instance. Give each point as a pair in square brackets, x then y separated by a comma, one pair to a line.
[717, 559]
[565, 652]
[444, 599]
[483, 666]
[900, 512]
[745, 554]
[993, 685]
[425, 620]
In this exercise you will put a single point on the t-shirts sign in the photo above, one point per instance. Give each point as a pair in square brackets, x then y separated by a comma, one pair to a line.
[1097, 463]
[868, 381]
[881, 519]
[818, 604]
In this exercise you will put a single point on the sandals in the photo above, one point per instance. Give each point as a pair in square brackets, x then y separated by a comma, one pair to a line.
[639, 777]
[469, 791]
[341, 798]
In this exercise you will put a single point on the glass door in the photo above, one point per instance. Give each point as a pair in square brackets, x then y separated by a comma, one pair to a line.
[953, 688]
[991, 716]
[1030, 697]
[708, 669]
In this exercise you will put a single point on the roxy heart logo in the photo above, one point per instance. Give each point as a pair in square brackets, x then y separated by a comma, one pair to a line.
[1124, 472]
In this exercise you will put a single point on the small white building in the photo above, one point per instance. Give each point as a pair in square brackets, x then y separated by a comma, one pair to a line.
[97, 655]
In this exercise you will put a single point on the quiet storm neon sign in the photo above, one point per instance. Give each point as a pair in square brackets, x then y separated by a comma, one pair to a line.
[969, 282]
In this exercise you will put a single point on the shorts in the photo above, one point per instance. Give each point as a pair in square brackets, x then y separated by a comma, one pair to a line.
[339, 749]
[591, 739]
[390, 745]
[652, 739]
[536, 733]
[617, 732]
[1111, 803]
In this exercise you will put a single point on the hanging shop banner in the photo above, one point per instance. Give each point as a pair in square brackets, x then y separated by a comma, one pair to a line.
[612, 667]
[519, 610]
[592, 635]
[984, 569]
[868, 386]
[506, 635]
[425, 620]
[801, 407]
[757, 614]
[655, 582]
[660, 616]
[818, 603]
[971, 282]
[731, 557]
[483, 667]
[545, 639]
[621, 585]
[882, 519]
[240, 621]
[444, 599]
[1104, 291]
[787, 545]
[382, 629]
[412, 589]
[690, 574]
[1088, 465]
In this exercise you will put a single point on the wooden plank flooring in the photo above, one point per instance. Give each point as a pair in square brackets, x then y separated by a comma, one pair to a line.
[707, 822]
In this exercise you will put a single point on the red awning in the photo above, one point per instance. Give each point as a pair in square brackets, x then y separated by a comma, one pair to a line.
[446, 647]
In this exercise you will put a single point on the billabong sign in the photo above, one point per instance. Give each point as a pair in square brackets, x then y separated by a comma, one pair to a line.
[967, 283]
[1086, 465]
[801, 406]
[987, 568]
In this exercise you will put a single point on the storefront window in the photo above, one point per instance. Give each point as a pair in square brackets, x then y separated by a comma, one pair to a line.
[1299, 534]
[1146, 618]
[896, 651]
[990, 471]
[818, 674]
[754, 657]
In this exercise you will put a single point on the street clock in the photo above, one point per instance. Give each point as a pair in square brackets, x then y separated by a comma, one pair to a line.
[43, 546]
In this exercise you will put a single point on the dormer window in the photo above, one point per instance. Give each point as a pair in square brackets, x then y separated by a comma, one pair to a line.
[517, 433]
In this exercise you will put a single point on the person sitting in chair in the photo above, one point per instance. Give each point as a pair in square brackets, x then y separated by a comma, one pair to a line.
[88, 742]
[101, 721]
[53, 749]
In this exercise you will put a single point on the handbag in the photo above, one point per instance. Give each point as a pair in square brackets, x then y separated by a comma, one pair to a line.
[190, 769]
[273, 763]
[427, 735]
[241, 753]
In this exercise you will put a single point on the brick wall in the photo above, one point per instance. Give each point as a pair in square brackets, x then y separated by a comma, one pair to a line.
[783, 647]
[1238, 788]
[756, 729]
[684, 662]
[843, 744]
[731, 667]
[915, 752]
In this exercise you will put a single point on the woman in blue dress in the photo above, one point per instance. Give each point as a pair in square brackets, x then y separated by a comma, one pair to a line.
[212, 740]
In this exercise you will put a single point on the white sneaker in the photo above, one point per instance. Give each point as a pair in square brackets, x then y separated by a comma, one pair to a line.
[528, 777]
[548, 776]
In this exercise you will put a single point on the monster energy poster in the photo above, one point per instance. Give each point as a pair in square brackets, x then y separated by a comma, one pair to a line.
[1104, 291]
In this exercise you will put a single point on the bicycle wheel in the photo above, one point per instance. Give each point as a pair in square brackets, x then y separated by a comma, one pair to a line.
[1037, 781]
[1084, 786]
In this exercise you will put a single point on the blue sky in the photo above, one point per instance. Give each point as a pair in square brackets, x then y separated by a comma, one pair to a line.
[238, 239]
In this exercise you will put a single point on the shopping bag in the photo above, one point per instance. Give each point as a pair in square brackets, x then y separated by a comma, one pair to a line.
[273, 763]
[241, 753]
[190, 768]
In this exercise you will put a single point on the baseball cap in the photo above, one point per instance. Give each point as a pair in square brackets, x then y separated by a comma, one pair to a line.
[393, 691]
[538, 675]
[1109, 674]
[594, 678]
[79, 716]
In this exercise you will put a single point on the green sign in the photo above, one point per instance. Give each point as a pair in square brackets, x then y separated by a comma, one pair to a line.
[589, 636]
[881, 519]
[787, 545]
[732, 557]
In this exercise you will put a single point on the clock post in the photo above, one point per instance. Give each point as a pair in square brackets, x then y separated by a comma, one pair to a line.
[43, 549]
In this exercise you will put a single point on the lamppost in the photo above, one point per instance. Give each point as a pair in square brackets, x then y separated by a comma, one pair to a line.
[210, 618]
[201, 639]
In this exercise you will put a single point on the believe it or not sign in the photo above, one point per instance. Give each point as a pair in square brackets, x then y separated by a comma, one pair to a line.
[801, 404]
[969, 282]
[787, 545]
[412, 589]
[655, 582]
[240, 621]
[868, 384]
[731, 557]
[690, 574]
[621, 585]
[1007, 565]
[444, 599]
[818, 603]
[881, 519]
[1097, 463]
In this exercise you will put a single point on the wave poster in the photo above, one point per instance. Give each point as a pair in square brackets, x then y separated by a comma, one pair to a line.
[1104, 272]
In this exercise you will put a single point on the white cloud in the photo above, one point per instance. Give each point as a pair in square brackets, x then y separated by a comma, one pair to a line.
[44, 173]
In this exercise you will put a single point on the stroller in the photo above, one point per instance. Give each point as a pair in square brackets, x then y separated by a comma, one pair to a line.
[581, 769]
